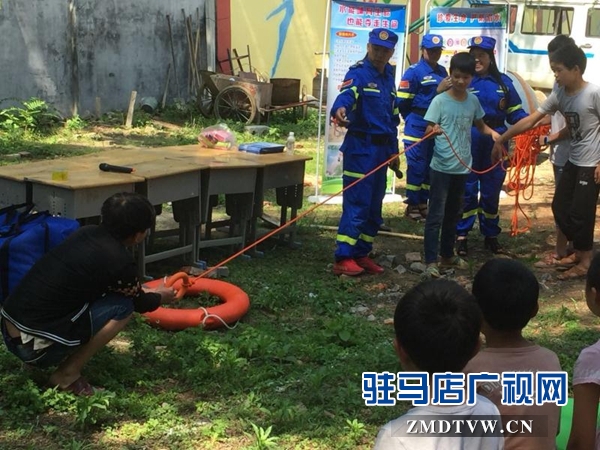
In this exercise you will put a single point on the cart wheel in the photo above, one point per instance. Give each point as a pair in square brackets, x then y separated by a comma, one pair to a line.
[206, 100]
[235, 103]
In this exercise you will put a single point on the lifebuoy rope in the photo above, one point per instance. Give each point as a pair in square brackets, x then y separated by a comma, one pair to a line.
[208, 315]
[522, 169]
[521, 173]
[191, 280]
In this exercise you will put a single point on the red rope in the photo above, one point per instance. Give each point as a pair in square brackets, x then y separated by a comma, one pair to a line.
[522, 172]
[191, 280]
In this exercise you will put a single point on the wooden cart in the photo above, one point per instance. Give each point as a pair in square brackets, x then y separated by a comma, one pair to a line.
[242, 99]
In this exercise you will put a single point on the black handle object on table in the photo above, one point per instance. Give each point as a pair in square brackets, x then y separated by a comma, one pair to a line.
[119, 169]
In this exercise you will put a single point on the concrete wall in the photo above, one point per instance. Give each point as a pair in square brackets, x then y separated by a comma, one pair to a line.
[68, 52]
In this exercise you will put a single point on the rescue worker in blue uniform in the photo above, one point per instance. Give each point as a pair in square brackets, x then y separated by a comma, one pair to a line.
[420, 83]
[366, 106]
[501, 103]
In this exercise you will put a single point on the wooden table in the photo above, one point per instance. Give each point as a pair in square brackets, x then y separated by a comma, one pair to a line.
[188, 176]
[285, 174]
[79, 196]
[229, 174]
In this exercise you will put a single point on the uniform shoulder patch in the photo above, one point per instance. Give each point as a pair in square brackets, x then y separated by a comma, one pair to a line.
[347, 83]
[404, 84]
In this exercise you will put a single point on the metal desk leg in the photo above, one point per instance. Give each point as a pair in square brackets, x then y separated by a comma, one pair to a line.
[292, 197]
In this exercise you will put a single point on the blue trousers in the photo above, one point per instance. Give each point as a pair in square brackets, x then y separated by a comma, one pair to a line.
[361, 214]
[482, 192]
[418, 159]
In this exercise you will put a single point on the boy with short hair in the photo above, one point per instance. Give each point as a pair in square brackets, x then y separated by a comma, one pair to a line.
[574, 204]
[559, 155]
[437, 326]
[451, 116]
[507, 293]
[81, 294]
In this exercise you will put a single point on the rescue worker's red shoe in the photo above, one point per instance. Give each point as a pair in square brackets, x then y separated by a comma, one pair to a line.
[369, 265]
[347, 267]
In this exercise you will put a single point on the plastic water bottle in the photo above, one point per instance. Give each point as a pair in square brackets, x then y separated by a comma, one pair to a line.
[290, 144]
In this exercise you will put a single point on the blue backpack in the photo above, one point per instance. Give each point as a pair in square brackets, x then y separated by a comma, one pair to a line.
[24, 237]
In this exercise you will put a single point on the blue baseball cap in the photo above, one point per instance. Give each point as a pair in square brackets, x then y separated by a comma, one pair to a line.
[432, 41]
[384, 37]
[483, 42]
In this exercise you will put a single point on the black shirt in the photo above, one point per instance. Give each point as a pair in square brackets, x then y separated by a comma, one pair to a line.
[52, 301]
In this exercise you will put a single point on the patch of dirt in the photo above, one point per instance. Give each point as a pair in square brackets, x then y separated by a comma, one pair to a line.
[527, 247]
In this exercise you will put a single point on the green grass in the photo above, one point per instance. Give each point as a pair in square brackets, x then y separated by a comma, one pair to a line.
[287, 377]
[293, 364]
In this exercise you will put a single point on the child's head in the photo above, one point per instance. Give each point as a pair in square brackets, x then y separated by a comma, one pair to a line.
[559, 41]
[463, 62]
[437, 327]
[507, 293]
[126, 214]
[462, 69]
[592, 285]
[568, 58]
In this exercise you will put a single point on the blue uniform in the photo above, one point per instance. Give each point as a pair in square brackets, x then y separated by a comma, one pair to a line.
[415, 93]
[482, 193]
[372, 138]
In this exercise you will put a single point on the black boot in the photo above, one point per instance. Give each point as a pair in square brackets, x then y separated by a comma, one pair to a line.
[492, 244]
[461, 247]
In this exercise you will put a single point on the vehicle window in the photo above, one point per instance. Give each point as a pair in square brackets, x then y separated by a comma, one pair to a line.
[593, 23]
[547, 20]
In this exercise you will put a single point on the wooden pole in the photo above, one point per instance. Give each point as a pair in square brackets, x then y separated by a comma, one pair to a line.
[98, 105]
[129, 119]
[164, 97]
[191, 72]
[72, 30]
[381, 233]
[173, 56]
[194, 51]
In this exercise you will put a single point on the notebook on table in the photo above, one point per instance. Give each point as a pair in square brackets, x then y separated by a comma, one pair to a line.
[261, 147]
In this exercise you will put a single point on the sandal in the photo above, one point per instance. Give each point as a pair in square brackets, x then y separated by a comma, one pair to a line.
[413, 213]
[551, 260]
[574, 273]
[462, 248]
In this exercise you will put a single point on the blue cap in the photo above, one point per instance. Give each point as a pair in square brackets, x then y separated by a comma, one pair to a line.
[432, 41]
[384, 37]
[484, 42]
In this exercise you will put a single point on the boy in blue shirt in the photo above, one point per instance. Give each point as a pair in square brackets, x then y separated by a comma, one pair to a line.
[450, 116]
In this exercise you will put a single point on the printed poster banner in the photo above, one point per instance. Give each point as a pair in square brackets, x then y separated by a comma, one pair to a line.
[458, 25]
[351, 23]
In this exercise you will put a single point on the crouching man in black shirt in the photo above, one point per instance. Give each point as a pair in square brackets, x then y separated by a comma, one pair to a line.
[81, 294]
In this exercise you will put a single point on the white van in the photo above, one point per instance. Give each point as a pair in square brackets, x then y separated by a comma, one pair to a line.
[534, 23]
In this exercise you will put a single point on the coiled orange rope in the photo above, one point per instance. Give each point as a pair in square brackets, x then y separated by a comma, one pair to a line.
[521, 172]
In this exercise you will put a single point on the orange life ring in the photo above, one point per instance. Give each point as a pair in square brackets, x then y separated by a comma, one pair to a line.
[235, 305]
